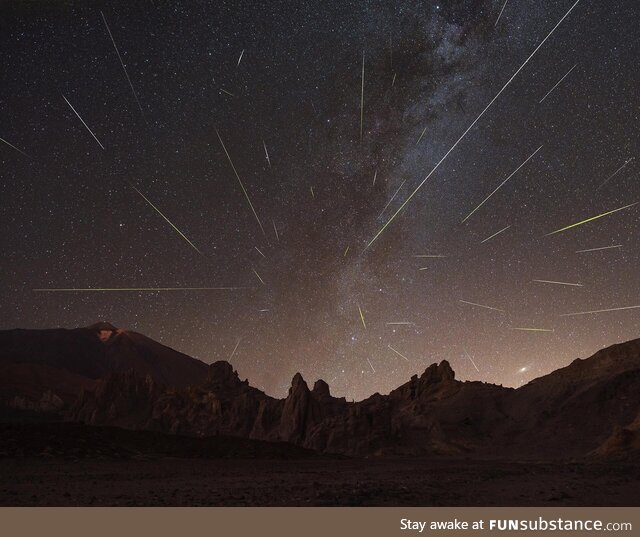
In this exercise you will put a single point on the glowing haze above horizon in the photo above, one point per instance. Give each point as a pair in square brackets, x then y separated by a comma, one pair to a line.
[92, 154]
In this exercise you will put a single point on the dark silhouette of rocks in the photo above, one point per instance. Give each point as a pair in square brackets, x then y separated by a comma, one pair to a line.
[109, 377]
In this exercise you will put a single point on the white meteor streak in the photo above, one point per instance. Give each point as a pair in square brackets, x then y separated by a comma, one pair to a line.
[392, 198]
[398, 353]
[86, 126]
[135, 95]
[502, 184]
[14, 147]
[240, 58]
[614, 173]
[598, 249]
[471, 126]
[131, 289]
[557, 84]
[559, 283]
[372, 369]
[167, 220]
[500, 14]
[234, 349]
[266, 153]
[495, 234]
[599, 311]
[244, 190]
[471, 360]
[480, 305]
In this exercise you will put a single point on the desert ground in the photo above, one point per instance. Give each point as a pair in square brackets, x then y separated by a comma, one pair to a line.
[165, 481]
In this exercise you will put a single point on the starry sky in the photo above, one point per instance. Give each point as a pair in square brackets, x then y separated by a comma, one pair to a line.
[124, 124]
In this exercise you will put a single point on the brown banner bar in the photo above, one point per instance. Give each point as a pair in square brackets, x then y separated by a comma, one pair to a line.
[319, 521]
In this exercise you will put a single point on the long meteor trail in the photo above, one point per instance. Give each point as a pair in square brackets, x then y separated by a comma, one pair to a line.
[614, 173]
[398, 353]
[598, 249]
[591, 219]
[559, 283]
[85, 125]
[470, 126]
[167, 220]
[244, 190]
[135, 95]
[14, 147]
[131, 289]
[392, 198]
[362, 97]
[502, 184]
[495, 234]
[599, 311]
[557, 84]
[481, 306]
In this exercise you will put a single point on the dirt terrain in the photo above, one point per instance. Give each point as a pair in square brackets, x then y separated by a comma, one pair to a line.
[196, 482]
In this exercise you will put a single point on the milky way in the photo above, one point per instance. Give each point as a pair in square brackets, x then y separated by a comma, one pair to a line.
[280, 138]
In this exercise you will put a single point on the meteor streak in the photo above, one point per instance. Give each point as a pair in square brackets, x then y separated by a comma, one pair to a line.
[244, 190]
[86, 126]
[134, 289]
[266, 153]
[599, 311]
[532, 329]
[398, 353]
[481, 306]
[471, 359]
[345, 252]
[375, 176]
[614, 173]
[14, 147]
[500, 14]
[276, 230]
[597, 249]
[362, 318]
[470, 127]
[135, 95]
[362, 98]
[260, 252]
[234, 349]
[167, 220]
[227, 92]
[591, 219]
[421, 135]
[372, 369]
[495, 234]
[557, 84]
[502, 184]
[240, 58]
[392, 198]
[435, 256]
[258, 275]
[559, 283]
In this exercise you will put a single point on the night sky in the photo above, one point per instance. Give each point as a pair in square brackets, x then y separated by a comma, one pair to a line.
[305, 292]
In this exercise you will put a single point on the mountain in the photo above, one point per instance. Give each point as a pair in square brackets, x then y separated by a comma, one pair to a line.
[589, 408]
[45, 370]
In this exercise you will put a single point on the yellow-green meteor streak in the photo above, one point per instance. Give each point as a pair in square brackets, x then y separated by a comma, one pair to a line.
[362, 318]
[469, 128]
[591, 219]
[131, 289]
[244, 190]
[599, 311]
[167, 220]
